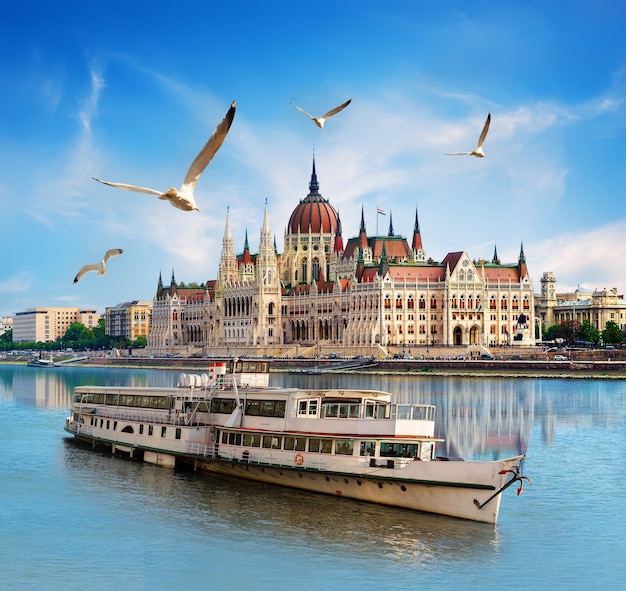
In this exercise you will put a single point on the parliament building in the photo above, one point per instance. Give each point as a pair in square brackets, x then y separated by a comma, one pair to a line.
[367, 295]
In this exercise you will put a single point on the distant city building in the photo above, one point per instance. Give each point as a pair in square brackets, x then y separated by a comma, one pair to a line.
[129, 320]
[597, 307]
[49, 324]
[375, 293]
[6, 324]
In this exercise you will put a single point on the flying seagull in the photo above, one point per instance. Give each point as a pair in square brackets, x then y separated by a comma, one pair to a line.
[319, 121]
[478, 152]
[183, 198]
[99, 267]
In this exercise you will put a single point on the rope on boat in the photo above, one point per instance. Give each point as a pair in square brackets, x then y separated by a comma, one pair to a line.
[517, 477]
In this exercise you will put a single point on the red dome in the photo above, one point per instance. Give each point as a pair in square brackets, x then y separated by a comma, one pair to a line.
[314, 213]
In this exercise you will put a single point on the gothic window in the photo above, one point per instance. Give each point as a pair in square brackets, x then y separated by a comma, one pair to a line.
[492, 303]
[433, 302]
[270, 309]
[422, 303]
[387, 302]
[453, 303]
[410, 304]
[304, 269]
[515, 303]
[503, 304]
[526, 303]
[315, 269]
[398, 303]
[462, 302]
[470, 276]
[461, 275]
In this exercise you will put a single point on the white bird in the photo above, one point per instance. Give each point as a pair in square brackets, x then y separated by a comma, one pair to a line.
[183, 198]
[99, 267]
[319, 121]
[478, 152]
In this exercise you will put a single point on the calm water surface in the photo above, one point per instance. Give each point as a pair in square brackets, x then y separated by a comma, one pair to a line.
[71, 518]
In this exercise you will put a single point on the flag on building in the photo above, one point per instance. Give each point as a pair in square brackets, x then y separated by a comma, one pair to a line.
[380, 211]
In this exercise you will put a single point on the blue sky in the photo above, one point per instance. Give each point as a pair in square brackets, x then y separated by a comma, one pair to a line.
[130, 91]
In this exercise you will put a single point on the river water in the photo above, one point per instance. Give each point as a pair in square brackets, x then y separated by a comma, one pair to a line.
[71, 518]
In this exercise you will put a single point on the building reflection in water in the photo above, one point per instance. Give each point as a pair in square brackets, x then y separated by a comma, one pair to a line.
[478, 418]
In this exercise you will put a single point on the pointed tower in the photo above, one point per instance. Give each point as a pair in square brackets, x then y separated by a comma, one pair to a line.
[416, 245]
[383, 267]
[390, 232]
[338, 246]
[266, 259]
[523, 270]
[246, 268]
[495, 260]
[266, 308]
[228, 262]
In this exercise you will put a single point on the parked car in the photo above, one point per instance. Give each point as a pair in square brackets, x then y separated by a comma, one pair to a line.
[487, 357]
[560, 358]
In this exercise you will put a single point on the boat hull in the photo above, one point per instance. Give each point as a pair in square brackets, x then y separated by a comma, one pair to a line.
[447, 497]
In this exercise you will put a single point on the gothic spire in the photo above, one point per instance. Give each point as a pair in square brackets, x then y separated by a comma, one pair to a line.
[417, 236]
[314, 187]
[338, 246]
[495, 260]
[390, 233]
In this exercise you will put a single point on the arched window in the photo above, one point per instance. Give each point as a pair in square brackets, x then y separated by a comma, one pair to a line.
[315, 269]
[270, 309]
[398, 303]
[387, 302]
[305, 264]
[433, 303]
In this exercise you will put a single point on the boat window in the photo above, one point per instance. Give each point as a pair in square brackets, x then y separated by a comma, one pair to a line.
[367, 448]
[404, 411]
[295, 443]
[252, 439]
[272, 442]
[163, 431]
[266, 408]
[344, 447]
[178, 432]
[234, 438]
[114, 425]
[307, 407]
[398, 450]
[150, 430]
[141, 429]
[369, 410]
[223, 405]
[383, 411]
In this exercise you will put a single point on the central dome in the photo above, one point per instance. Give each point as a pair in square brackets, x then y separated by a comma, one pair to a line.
[313, 214]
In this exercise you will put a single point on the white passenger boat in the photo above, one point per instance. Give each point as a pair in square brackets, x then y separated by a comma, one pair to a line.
[351, 443]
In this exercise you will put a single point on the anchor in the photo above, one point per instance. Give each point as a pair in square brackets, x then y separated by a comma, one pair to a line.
[517, 477]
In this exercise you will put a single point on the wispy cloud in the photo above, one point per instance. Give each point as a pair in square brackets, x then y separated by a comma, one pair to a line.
[17, 283]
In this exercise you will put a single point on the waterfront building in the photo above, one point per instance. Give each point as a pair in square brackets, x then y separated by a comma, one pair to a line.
[48, 324]
[598, 306]
[129, 319]
[375, 295]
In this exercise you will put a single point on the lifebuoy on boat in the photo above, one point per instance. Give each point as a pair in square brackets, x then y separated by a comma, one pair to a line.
[299, 459]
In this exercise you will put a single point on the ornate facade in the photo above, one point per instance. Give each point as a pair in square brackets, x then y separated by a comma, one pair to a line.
[367, 296]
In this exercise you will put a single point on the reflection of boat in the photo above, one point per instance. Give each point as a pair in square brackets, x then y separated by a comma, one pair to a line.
[351, 443]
